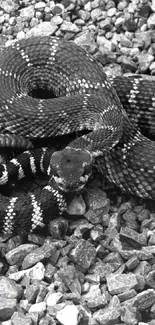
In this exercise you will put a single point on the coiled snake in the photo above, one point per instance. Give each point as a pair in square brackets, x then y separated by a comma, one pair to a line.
[79, 101]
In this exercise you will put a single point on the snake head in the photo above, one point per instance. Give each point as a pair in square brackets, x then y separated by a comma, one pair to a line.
[71, 168]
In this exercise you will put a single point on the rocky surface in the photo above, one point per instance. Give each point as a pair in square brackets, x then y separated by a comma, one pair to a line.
[98, 268]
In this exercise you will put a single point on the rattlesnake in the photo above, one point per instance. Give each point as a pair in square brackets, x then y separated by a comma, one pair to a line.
[81, 102]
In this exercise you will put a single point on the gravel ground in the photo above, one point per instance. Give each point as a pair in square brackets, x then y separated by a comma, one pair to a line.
[98, 268]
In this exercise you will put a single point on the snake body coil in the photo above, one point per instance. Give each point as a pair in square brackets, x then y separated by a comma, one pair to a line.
[110, 115]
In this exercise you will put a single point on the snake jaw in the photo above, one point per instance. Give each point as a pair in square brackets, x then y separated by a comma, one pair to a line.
[71, 168]
[71, 187]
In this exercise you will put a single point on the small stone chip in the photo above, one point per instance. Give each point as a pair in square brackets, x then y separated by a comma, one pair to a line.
[40, 307]
[69, 315]
[150, 279]
[36, 272]
[16, 255]
[7, 307]
[20, 318]
[38, 254]
[118, 283]
[83, 254]
[144, 299]
[133, 237]
[109, 314]
[10, 289]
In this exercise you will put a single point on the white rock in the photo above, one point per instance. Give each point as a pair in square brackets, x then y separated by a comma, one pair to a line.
[102, 41]
[53, 298]
[67, 26]
[119, 21]
[39, 307]
[12, 21]
[69, 315]
[153, 5]
[27, 13]
[151, 21]
[2, 19]
[77, 206]
[87, 6]
[36, 272]
[43, 29]
[57, 20]
[40, 5]
[111, 12]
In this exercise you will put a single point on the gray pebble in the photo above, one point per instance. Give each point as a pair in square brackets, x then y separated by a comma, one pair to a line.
[9, 289]
[118, 283]
[109, 314]
[83, 254]
[38, 254]
[27, 13]
[20, 318]
[7, 307]
[44, 28]
[16, 255]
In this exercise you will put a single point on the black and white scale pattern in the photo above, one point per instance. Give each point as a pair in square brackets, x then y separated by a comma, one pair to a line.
[72, 76]
[36, 207]
[42, 205]
[30, 162]
[25, 213]
[83, 99]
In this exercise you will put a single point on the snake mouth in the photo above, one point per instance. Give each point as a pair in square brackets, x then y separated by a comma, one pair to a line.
[71, 187]
[71, 169]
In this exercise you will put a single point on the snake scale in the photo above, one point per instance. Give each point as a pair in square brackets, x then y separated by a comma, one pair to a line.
[112, 122]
